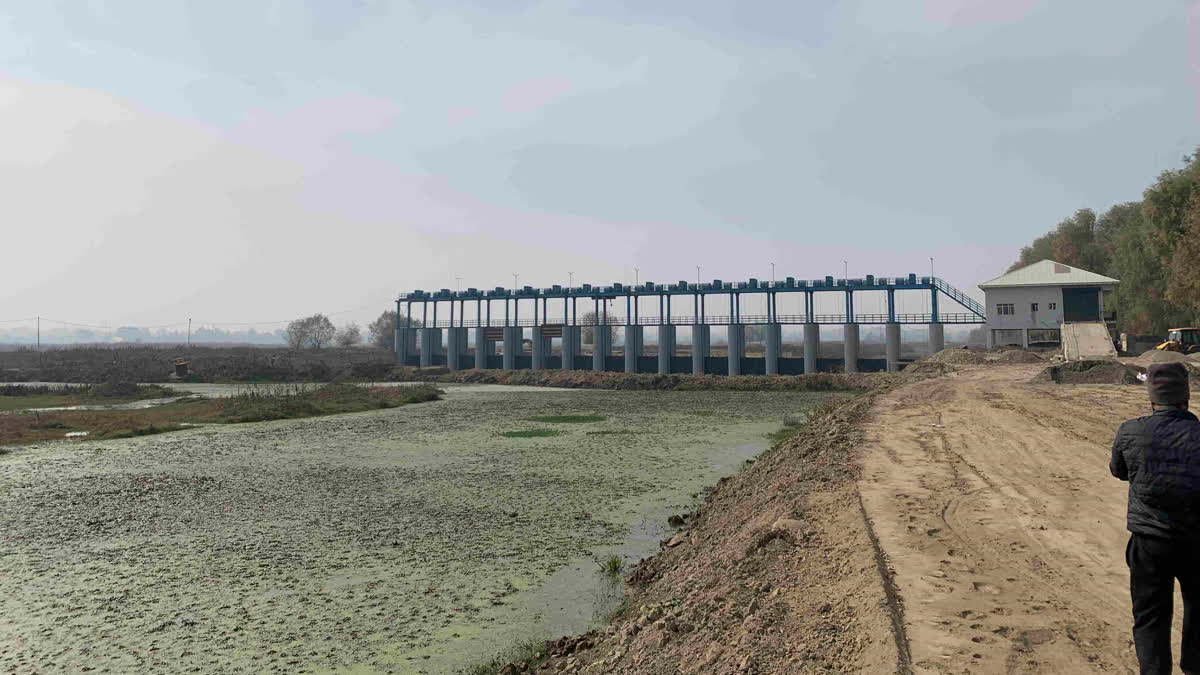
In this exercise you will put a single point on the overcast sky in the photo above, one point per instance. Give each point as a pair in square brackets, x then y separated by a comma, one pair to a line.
[244, 161]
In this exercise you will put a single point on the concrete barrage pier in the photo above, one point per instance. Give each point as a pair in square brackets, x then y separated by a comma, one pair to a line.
[459, 341]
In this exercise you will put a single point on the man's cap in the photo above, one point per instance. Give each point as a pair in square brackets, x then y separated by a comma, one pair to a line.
[1167, 383]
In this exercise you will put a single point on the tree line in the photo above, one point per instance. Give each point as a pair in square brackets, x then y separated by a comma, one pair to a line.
[1152, 246]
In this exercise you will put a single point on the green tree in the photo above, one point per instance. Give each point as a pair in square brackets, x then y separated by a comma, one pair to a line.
[1183, 278]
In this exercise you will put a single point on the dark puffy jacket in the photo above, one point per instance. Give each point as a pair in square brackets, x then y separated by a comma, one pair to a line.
[1160, 457]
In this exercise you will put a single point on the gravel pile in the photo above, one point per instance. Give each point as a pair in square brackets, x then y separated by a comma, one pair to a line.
[1159, 356]
[957, 357]
[1018, 356]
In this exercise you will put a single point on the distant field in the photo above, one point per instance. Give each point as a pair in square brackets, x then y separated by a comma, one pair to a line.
[146, 363]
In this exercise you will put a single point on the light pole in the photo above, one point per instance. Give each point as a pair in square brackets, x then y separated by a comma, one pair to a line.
[845, 270]
[515, 277]
[931, 267]
[772, 275]
[457, 284]
[570, 280]
[637, 276]
[698, 268]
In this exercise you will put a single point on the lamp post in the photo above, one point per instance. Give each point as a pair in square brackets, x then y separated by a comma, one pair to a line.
[845, 270]
[772, 275]
[698, 268]
[931, 267]
[570, 279]
[637, 276]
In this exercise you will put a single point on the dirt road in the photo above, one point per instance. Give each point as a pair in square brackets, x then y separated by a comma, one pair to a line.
[992, 500]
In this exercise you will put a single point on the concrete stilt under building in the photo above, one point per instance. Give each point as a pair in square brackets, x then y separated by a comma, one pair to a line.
[851, 347]
[601, 347]
[666, 348]
[570, 346]
[700, 344]
[737, 347]
[892, 348]
[512, 345]
[937, 337]
[812, 347]
[539, 349]
[774, 345]
[431, 345]
[633, 347]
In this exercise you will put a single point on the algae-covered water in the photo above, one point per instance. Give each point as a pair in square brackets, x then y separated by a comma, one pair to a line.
[411, 540]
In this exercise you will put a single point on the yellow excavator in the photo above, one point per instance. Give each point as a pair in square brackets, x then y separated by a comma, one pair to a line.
[1182, 340]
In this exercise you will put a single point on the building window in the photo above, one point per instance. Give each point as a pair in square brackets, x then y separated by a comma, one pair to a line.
[1033, 306]
[1054, 305]
[1006, 309]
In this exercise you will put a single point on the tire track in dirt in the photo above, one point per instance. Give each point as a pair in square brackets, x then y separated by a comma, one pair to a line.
[991, 499]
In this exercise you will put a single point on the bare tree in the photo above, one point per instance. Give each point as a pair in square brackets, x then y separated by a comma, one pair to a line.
[349, 335]
[314, 331]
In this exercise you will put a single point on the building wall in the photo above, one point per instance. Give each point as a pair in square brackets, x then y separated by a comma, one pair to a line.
[1022, 299]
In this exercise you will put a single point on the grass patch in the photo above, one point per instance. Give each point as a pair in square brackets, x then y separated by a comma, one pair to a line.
[612, 566]
[610, 432]
[792, 424]
[23, 397]
[258, 403]
[255, 404]
[569, 419]
[530, 652]
[532, 433]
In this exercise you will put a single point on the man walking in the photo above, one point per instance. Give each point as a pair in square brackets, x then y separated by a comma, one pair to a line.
[1160, 457]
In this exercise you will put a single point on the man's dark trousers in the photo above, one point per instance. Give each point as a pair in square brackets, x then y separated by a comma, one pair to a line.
[1154, 565]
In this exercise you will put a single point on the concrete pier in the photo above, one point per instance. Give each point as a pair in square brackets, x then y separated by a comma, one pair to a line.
[454, 348]
[774, 345]
[700, 342]
[539, 349]
[737, 347]
[666, 348]
[512, 345]
[633, 347]
[892, 347]
[812, 347]
[601, 347]
[851, 351]
[431, 344]
[406, 343]
[937, 337]
[483, 348]
[570, 346]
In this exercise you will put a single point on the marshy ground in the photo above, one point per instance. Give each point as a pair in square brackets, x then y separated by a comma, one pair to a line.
[414, 539]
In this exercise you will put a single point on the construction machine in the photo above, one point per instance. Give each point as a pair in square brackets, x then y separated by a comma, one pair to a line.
[1182, 340]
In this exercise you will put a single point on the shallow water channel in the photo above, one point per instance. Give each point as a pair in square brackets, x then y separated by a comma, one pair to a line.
[413, 540]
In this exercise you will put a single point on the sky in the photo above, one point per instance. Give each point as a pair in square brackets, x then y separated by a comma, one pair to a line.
[253, 162]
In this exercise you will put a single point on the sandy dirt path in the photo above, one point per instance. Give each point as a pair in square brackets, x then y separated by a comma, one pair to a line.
[992, 500]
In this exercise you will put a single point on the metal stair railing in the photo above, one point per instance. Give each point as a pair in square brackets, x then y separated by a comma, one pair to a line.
[960, 297]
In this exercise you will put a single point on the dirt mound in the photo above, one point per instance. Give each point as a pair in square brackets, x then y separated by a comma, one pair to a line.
[1160, 356]
[1090, 372]
[930, 368]
[956, 357]
[776, 574]
[1018, 356]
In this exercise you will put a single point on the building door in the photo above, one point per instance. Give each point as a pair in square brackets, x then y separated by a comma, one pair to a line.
[1081, 304]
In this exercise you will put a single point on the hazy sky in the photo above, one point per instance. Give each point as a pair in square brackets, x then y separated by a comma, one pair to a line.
[248, 161]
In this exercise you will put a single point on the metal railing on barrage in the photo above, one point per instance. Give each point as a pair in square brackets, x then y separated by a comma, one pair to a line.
[725, 320]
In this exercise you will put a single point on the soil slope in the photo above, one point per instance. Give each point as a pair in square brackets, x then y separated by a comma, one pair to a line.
[992, 499]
